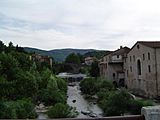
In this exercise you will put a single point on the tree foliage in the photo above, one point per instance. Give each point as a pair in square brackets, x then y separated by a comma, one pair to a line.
[53, 93]
[60, 110]
[117, 103]
[94, 71]
[92, 86]
[26, 85]
[19, 109]
[20, 79]
[113, 102]
[136, 105]
[72, 58]
[89, 86]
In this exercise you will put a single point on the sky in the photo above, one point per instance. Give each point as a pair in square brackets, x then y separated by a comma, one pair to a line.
[94, 24]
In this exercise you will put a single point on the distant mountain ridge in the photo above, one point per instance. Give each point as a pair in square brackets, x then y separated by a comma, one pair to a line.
[60, 54]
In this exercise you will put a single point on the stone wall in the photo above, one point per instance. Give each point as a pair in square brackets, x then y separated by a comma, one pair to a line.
[145, 83]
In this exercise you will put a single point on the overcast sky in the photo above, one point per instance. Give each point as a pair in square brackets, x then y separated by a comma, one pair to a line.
[98, 24]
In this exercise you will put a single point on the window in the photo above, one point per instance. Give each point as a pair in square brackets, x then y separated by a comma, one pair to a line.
[130, 58]
[106, 65]
[131, 68]
[117, 56]
[114, 75]
[138, 46]
[134, 58]
[148, 56]
[143, 57]
[149, 68]
[127, 73]
[139, 67]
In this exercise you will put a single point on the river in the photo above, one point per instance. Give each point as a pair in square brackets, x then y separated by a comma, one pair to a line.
[81, 104]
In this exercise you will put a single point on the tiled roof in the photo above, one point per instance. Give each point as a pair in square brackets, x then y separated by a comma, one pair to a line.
[121, 51]
[152, 44]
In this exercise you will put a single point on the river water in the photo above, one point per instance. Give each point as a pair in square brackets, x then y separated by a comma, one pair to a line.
[81, 104]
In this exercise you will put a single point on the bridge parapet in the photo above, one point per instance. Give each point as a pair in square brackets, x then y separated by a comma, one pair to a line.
[129, 117]
[151, 112]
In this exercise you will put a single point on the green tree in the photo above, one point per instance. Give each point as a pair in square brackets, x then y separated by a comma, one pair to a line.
[105, 84]
[7, 89]
[136, 105]
[62, 84]
[20, 49]
[9, 66]
[45, 76]
[23, 59]
[20, 109]
[89, 86]
[60, 110]
[52, 84]
[117, 103]
[26, 85]
[10, 47]
[94, 71]
[81, 57]
[2, 46]
[54, 92]
[72, 58]
[106, 87]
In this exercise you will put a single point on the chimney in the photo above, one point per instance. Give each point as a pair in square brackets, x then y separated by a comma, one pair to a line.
[121, 47]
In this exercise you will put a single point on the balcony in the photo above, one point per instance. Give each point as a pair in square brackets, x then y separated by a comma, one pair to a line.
[131, 117]
[111, 61]
[115, 59]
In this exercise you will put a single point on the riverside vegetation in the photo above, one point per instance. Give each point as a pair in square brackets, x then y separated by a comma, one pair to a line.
[112, 101]
[25, 83]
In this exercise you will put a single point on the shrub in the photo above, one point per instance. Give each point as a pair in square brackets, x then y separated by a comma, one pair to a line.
[89, 86]
[117, 103]
[60, 110]
[55, 91]
[136, 105]
[19, 109]
[92, 86]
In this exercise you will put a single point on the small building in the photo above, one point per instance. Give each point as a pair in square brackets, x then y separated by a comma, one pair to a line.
[143, 68]
[112, 66]
[41, 58]
[89, 60]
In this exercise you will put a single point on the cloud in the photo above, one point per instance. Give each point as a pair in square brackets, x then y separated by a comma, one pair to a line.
[100, 24]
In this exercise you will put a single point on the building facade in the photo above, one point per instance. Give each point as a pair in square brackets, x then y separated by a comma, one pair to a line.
[143, 69]
[41, 58]
[112, 66]
[90, 60]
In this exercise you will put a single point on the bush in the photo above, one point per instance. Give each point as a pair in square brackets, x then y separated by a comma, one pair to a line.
[89, 86]
[136, 105]
[19, 109]
[55, 92]
[92, 86]
[62, 84]
[117, 103]
[94, 71]
[107, 85]
[60, 110]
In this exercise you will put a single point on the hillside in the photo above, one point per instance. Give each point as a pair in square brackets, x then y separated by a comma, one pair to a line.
[97, 53]
[58, 54]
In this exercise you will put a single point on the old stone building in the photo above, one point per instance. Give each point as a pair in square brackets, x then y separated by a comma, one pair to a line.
[41, 58]
[90, 60]
[143, 69]
[112, 66]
